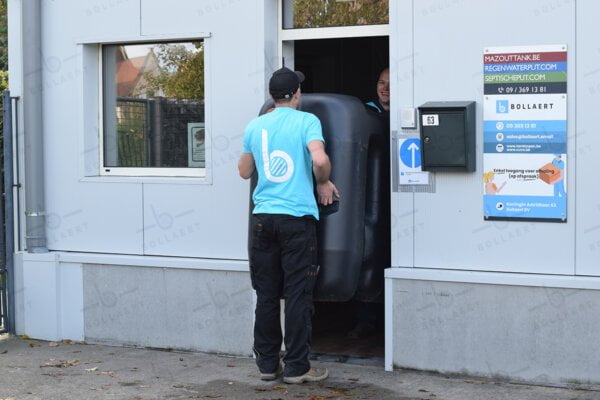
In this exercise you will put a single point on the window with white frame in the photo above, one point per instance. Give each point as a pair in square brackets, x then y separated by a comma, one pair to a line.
[153, 120]
[302, 14]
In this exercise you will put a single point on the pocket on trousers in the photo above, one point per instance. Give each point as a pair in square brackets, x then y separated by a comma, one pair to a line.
[260, 241]
[311, 278]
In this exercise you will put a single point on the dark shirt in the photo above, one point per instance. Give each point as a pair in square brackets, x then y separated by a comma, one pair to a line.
[375, 106]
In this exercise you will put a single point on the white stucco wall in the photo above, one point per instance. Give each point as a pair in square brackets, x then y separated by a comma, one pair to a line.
[170, 216]
[437, 55]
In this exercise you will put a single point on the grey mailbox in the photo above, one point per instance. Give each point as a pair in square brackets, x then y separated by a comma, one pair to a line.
[448, 136]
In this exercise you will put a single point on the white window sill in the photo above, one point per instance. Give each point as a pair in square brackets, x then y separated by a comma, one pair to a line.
[181, 180]
[139, 261]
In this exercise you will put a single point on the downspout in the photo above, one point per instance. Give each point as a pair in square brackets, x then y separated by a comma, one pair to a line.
[9, 223]
[35, 212]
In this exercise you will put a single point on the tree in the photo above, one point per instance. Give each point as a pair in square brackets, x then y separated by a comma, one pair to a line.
[3, 56]
[322, 13]
[181, 73]
[3, 37]
[3, 80]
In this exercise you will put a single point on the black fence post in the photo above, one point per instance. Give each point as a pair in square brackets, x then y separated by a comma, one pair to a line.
[157, 131]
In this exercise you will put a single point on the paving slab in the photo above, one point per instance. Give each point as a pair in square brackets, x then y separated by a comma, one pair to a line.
[32, 369]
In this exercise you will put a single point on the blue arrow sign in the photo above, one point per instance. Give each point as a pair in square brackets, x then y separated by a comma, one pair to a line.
[410, 153]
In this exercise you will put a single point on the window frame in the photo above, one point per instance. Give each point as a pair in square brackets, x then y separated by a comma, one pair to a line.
[203, 174]
[286, 37]
[327, 32]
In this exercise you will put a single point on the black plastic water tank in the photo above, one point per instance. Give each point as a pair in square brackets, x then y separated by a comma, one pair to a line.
[354, 241]
[377, 251]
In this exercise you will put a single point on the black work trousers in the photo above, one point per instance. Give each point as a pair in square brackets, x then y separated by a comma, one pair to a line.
[283, 264]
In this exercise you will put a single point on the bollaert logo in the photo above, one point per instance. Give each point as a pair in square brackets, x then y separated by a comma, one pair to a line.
[502, 106]
[278, 165]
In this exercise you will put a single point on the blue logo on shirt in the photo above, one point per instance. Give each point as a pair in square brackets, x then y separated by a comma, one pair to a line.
[278, 165]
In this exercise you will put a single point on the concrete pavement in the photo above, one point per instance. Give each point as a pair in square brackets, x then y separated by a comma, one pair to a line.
[31, 369]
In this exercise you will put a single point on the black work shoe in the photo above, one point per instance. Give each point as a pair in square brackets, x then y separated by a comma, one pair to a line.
[271, 376]
[313, 375]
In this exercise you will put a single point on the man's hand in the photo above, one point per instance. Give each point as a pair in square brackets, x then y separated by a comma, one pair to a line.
[327, 193]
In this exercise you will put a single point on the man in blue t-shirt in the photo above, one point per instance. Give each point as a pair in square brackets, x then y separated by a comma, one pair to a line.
[285, 147]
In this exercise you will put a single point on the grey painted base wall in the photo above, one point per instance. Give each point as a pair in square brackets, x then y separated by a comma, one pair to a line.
[202, 310]
[534, 334]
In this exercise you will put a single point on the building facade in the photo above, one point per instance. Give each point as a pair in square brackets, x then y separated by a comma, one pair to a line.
[151, 249]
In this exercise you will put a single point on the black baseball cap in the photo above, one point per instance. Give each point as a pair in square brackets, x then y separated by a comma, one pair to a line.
[284, 83]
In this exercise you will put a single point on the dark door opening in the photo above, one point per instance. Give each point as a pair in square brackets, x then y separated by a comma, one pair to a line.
[348, 66]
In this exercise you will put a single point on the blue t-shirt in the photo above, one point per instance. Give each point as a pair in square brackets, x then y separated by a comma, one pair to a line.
[278, 142]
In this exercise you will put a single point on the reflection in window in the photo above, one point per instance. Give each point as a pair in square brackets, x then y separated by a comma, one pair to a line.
[328, 13]
[153, 103]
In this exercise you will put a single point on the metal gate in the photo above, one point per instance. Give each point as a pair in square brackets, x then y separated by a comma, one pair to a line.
[3, 301]
[153, 132]
[4, 323]
[9, 107]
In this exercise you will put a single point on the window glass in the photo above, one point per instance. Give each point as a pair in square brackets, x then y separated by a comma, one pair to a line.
[328, 13]
[153, 105]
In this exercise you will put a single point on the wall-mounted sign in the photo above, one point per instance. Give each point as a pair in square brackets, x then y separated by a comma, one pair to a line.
[409, 162]
[196, 148]
[525, 133]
